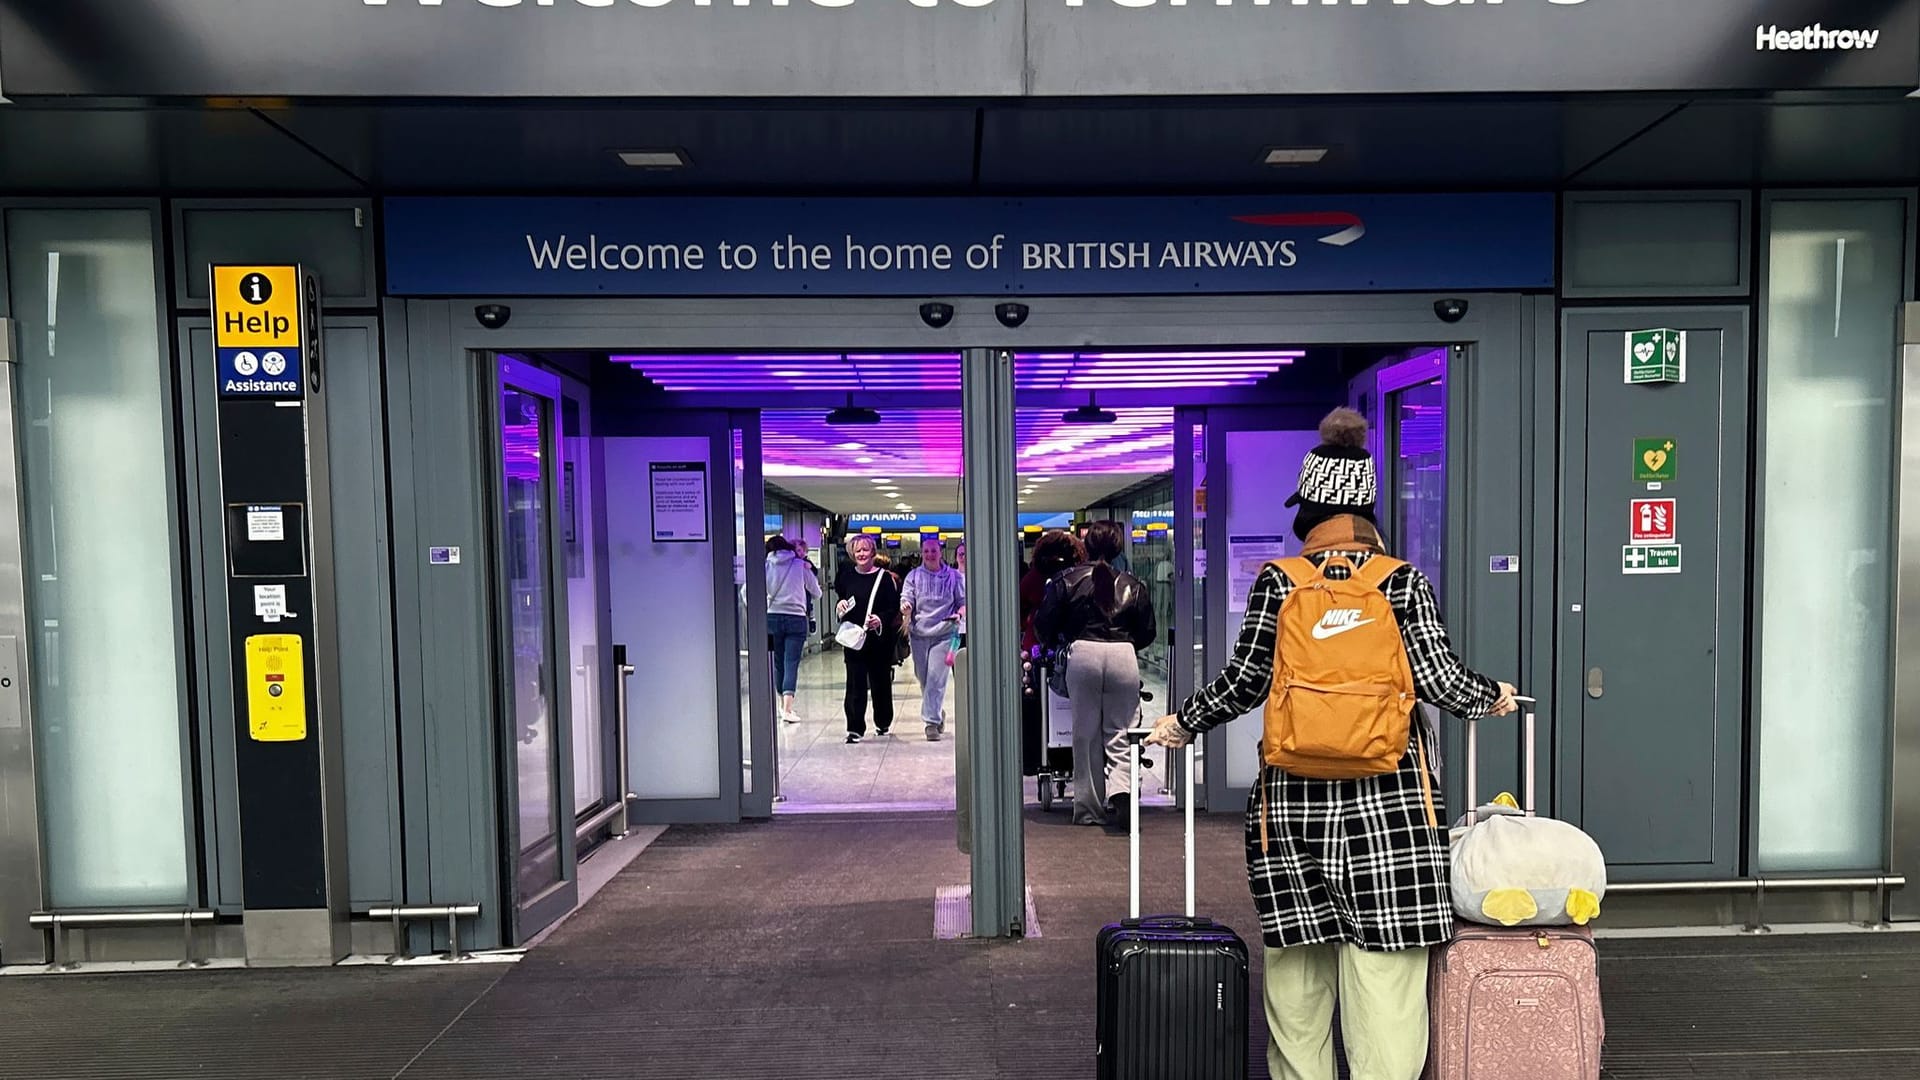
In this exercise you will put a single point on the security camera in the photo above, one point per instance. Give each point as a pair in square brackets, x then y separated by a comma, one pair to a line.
[493, 316]
[1450, 311]
[1010, 315]
[936, 314]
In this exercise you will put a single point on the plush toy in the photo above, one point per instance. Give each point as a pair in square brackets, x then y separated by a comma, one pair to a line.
[1514, 869]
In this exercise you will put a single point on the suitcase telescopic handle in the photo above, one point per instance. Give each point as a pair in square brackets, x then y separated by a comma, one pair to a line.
[1135, 736]
[1528, 768]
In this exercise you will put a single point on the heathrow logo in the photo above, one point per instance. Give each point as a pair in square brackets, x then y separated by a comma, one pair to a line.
[1815, 38]
[1347, 227]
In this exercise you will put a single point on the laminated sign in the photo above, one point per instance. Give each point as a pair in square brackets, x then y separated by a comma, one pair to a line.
[1657, 356]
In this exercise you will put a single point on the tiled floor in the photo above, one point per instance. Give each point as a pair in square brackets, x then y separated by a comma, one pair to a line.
[821, 773]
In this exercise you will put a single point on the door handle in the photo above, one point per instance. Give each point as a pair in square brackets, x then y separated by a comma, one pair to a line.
[1596, 682]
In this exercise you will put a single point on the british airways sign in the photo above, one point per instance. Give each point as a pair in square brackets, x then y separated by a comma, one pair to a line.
[894, 247]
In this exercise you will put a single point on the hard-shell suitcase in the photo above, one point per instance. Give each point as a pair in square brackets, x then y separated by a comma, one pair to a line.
[1172, 990]
[1521, 1002]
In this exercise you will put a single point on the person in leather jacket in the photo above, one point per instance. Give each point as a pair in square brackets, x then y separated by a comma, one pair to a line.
[1102, 617]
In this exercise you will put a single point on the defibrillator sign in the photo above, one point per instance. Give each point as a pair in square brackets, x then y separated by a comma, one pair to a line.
[276, 688]
[258, 339]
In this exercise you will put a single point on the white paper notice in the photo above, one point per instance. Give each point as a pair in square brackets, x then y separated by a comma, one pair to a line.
[1246, 555]
[679, 501]
[266, 523]
[270, 602]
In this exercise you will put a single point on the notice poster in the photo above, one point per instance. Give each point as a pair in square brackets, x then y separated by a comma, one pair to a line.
[1246, 555]
[679, 490]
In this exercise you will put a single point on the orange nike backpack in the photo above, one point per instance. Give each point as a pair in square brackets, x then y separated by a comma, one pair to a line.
[1343, 697]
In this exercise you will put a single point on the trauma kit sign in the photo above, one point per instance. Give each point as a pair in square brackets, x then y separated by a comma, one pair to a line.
[886, 247]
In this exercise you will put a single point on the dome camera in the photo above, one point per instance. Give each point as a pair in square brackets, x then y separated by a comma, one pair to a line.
[936, 314]
[1450, 311]
[492, 316]
[1011, 316]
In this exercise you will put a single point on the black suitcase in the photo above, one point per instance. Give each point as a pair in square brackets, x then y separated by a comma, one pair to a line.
[1172, 993]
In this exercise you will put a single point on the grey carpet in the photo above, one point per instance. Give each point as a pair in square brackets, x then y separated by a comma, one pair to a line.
[803, 948]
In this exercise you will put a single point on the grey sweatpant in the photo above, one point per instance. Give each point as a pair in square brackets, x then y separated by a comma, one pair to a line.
[1103, 685]
[930, 667]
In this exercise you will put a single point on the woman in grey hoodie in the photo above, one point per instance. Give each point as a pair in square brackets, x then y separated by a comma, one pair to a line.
[933, 604]
[791, 592]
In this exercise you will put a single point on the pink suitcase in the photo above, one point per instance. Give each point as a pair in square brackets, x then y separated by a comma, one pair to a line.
[1514, 1003]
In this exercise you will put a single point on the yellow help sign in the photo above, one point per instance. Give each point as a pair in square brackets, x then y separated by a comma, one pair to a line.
[256, 307]
[276, 688]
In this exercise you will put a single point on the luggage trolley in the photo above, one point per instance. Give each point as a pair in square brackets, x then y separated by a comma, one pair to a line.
[1048, 721]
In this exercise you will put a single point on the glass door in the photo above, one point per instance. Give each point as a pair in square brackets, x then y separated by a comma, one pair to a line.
[530, 606]
[1417, 474]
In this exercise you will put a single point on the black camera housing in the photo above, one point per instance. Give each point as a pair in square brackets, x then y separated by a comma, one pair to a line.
[492, 316]
[1011, 315]
[1450, 311]
[936, 314]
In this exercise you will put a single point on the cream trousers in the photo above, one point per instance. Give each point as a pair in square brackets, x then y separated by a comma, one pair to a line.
[1383, 1012]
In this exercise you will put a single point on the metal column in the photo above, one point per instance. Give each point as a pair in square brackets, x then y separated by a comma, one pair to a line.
[21, 885]
[1903, 828]
[993, 644]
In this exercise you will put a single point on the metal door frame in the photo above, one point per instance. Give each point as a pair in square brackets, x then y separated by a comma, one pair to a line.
[22, 883]
[760, 762]
[530, 915]
[1730, 691]
[433, 459]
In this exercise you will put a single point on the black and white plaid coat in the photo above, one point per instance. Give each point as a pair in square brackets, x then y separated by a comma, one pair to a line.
[1351, 861]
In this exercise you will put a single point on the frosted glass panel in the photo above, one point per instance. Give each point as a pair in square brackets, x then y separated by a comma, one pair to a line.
[583, 607]
[662, 599]
[100, 555]
[1260, 473]
[1835, 280]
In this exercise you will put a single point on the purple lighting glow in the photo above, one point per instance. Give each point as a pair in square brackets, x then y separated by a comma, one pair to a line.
[940, 371]
[927, 442]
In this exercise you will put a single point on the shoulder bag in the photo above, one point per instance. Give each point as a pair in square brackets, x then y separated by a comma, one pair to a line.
[853, 636]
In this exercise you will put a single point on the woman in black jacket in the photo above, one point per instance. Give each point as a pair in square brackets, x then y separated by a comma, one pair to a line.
[1104, 617]
[866, 595]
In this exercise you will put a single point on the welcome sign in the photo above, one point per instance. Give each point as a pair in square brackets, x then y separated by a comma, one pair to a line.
[935, 247]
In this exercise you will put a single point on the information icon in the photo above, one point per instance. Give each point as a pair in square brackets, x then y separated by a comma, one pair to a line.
[245, 364]
[275, 364]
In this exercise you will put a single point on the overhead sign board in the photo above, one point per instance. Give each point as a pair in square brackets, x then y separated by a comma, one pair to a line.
[947, 48]
[966, 246]
[257, 333]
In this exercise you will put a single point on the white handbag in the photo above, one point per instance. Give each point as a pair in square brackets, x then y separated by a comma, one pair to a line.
[853, 636]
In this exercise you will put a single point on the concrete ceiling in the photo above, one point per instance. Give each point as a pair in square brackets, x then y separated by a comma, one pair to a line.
[988, 147]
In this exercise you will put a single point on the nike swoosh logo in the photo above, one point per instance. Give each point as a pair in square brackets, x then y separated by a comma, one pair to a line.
[1322, 633]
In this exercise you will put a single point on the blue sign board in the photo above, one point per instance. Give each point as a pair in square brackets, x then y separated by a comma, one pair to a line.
[268, 373]
[967, 246]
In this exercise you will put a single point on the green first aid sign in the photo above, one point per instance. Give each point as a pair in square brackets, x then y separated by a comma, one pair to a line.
[1657, 356]
[1655, 460]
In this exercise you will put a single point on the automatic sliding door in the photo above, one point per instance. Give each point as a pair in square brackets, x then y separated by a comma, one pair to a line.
[529, 612]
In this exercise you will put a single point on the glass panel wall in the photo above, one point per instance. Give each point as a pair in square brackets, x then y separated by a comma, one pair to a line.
[590, 765]
[1419, 517]
[101, 556]
[1836, 273]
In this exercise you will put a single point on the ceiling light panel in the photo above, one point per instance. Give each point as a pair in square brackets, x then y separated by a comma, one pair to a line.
[940, 371]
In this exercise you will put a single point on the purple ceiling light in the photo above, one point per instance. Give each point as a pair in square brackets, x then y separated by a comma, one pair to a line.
[940, 371]
[928, 442]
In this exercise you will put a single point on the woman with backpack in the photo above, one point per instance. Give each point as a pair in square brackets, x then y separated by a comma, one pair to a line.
[1346, 857]
[1097, 619]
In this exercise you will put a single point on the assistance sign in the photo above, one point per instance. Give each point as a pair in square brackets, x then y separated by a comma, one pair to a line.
[256, 330]
[276, 688]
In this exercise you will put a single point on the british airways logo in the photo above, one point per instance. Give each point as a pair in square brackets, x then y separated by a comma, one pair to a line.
[1347, 227]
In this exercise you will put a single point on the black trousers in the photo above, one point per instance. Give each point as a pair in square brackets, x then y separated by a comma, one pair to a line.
[870, 673]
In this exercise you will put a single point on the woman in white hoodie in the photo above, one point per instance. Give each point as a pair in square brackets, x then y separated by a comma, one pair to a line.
[792, 591]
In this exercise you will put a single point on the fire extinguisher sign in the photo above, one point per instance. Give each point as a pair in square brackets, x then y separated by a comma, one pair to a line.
[1652, 521]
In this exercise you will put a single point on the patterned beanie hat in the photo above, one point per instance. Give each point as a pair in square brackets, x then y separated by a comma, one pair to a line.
[1338, 476]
